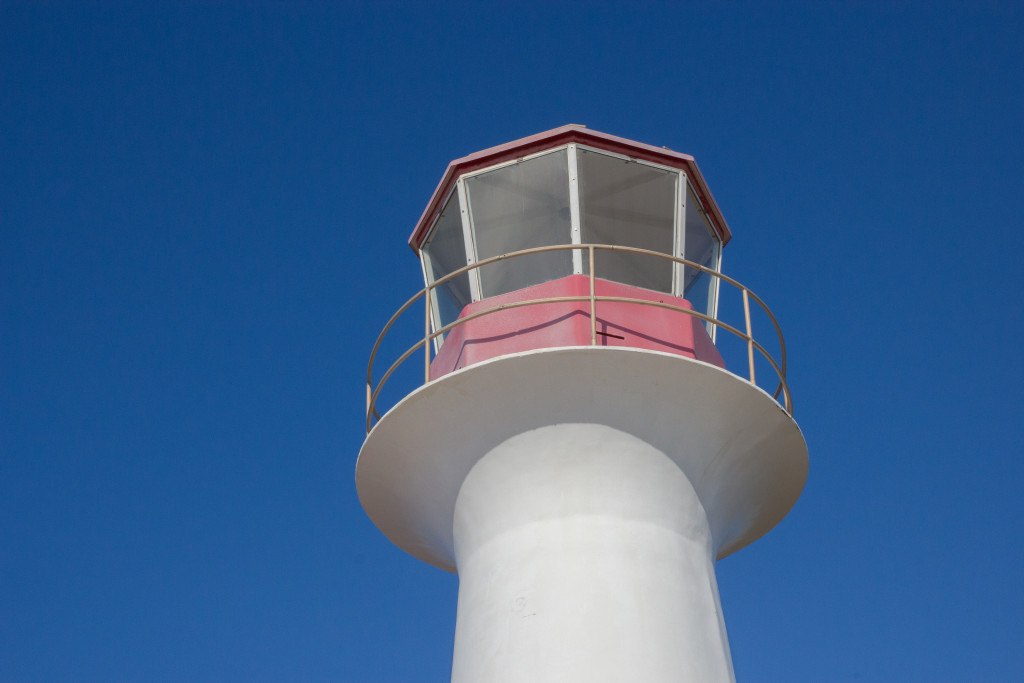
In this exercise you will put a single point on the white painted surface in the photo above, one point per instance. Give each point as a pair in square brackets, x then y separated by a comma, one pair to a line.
[744, 456]
[584, 555]
[583, 495]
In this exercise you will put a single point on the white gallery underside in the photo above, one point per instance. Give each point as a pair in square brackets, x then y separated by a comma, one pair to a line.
[739, 449]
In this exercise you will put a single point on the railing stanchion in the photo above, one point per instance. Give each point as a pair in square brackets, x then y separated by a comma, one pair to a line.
[426, 337]
[593, 299]
[750, 337]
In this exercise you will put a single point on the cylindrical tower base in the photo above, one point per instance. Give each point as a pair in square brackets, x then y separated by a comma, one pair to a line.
[584, 555]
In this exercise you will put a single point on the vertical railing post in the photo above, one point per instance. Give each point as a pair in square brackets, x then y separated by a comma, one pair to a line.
[426, 337]
[750, 336]
[593, 299]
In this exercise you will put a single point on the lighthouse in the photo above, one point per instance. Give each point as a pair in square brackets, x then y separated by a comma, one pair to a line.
[577, 449]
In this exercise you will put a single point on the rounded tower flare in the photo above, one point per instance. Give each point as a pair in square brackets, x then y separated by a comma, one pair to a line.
[579, 452]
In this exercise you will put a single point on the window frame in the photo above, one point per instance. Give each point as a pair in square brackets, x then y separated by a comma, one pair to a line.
[684, 188]
[469, 225]
[435, 307]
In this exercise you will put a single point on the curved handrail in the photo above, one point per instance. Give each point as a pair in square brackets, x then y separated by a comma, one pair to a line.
[372, 393]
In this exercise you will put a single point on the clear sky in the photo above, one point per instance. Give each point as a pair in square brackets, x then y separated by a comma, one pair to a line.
[203, 220]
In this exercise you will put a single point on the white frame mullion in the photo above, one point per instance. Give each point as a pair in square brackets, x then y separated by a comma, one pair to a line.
[713, 294]
[467, 237]
[679, 238]
[714, 284]
[575, 232]
[435, 307]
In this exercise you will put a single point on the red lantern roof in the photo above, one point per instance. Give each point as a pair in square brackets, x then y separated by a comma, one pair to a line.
[555, 138]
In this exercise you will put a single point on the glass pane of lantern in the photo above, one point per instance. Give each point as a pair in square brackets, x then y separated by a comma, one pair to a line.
[445, 252]
[521, 206]
[701, 247]
[631, 204]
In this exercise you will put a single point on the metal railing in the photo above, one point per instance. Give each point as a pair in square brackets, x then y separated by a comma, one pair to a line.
[373, 392]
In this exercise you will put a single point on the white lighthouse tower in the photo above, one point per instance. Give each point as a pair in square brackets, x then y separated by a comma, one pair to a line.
[578, 452]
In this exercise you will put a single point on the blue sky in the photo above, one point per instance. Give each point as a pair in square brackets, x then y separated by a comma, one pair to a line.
[203, 220]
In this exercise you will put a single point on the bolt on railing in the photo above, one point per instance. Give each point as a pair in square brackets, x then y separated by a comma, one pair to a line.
[430, 334]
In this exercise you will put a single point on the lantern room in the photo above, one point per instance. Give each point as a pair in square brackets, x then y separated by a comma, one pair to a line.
[516, 237]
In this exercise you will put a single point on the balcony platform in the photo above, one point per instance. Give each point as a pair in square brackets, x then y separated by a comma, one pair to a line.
[743, 453]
